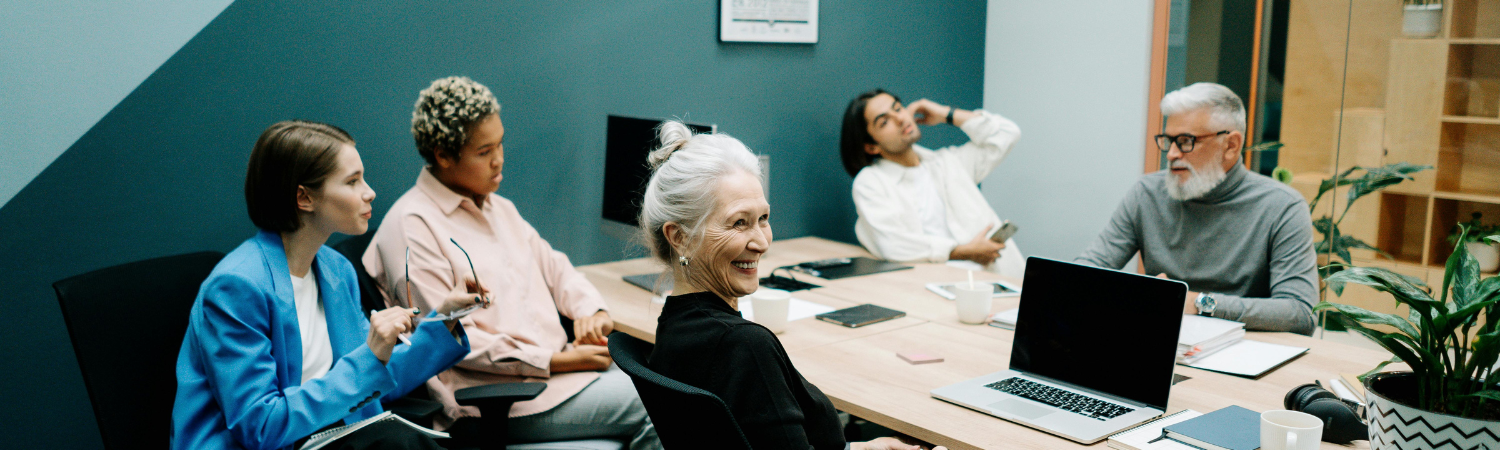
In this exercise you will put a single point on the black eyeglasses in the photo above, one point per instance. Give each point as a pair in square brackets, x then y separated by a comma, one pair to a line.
[1185, 142]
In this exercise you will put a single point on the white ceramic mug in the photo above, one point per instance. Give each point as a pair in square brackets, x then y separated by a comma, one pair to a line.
[974, 304]
[771, 308]
[1290, 430]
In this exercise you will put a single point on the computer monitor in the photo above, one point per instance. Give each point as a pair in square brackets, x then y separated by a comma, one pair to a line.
[627, 142]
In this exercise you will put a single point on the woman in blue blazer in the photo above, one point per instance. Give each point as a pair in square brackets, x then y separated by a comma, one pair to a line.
[258, 369]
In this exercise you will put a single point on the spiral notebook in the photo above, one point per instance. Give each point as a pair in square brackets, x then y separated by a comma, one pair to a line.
[319, 440]
[1149, 436]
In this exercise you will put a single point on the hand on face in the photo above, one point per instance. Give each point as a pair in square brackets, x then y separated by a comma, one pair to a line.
[927, 112]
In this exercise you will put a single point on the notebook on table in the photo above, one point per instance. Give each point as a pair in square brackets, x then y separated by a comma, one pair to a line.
[648, 281]
[855, 267]
[1093, 353]
[1229, 428]
[1148, 436]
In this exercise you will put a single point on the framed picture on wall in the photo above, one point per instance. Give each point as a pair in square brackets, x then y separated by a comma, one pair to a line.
[783, 21]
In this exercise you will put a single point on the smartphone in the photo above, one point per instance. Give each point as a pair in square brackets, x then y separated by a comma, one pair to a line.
[1007, 229]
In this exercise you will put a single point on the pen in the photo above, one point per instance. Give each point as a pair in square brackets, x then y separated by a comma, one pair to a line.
[402, 337]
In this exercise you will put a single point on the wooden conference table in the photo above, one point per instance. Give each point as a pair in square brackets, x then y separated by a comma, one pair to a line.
[859, 370]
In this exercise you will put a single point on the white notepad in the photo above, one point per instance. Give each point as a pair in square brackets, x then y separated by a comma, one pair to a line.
[319, 440]
[1141, 437]
[797, 309]
[1249, 358]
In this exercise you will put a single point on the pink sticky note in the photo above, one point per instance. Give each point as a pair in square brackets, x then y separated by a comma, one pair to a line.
[919, 357]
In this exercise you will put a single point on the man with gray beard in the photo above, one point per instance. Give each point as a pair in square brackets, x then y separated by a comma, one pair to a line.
[1241, 241]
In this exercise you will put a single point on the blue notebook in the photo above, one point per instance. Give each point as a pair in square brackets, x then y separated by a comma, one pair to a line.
[1230, 428]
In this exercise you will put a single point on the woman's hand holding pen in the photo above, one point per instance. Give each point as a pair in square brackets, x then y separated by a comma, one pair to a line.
[386, 327]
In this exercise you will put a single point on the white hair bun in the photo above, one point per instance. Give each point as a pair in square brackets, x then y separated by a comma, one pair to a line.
[673, 135]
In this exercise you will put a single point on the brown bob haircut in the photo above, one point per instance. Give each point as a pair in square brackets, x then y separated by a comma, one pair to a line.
[289, 154]
[856, 134]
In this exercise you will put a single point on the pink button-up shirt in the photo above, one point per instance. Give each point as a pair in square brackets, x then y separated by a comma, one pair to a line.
[530, 283]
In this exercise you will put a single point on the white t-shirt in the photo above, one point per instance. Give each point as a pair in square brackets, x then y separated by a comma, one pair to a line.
[930, 205]
[317, 349]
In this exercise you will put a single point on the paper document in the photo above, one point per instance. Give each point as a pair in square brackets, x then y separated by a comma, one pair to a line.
[1005, 319]
[798, 309]
[1198, 329]
[1249, 359]
[1148, 436]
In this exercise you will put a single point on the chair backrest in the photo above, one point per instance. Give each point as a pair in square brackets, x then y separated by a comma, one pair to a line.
[684, 416]
[127, 323]
[353, 248]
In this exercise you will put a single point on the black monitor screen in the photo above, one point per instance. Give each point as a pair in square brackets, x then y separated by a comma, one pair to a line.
[1105, 330]
[628, 140]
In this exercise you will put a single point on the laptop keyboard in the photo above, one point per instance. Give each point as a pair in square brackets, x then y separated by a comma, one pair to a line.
[1067, 401]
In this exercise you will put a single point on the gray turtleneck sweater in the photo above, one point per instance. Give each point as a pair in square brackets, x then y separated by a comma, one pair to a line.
[1248, 242]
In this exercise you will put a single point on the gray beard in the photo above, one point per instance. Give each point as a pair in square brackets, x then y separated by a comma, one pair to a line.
[1199, 181]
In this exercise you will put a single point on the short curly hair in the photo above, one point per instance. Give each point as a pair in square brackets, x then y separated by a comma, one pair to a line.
[444, 112]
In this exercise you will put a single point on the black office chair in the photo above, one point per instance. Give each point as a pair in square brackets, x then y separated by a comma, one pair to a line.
[494, 401]
[127, 323]
[684, 416]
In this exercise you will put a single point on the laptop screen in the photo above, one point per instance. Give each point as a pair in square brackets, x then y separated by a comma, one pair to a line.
[1106, 330]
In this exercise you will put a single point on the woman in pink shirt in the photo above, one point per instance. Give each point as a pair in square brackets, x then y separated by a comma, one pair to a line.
[454, 225]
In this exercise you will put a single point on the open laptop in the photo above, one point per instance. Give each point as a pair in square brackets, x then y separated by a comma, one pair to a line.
[1093, 353]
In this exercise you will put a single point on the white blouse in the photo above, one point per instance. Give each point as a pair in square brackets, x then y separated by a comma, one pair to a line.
[317, 349]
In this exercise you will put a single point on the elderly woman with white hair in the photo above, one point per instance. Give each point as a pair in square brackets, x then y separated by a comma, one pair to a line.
[705, 216]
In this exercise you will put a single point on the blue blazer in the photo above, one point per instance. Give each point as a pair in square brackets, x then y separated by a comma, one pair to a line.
[239, 373]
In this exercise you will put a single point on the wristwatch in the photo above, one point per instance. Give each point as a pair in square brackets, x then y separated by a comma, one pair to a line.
[1205, 304]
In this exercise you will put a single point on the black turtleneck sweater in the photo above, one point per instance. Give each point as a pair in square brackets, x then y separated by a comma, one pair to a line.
[703, 342]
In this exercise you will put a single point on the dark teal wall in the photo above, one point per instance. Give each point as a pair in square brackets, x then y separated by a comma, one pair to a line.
[162, 173]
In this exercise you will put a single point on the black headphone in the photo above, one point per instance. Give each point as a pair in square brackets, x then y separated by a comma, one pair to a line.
[1341, 418]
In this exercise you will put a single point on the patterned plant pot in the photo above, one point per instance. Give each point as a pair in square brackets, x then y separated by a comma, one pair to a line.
[1397, 426]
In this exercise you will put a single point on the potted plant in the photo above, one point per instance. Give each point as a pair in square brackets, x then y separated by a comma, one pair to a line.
[1450, 397]
[1475, 242]
[1422, 18]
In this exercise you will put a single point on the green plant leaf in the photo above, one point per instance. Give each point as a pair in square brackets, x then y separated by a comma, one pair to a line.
[1495, 238]
[1329, 184]
[1348, 242]
[1488, 393]
[1380, 178]
[1399, 286]
[1457, 318]
[1365, 316]
[1420, 360]
[1462, 274]
[1377, 368]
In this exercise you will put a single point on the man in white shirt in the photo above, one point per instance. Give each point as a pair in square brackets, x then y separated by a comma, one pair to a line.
[916, 204]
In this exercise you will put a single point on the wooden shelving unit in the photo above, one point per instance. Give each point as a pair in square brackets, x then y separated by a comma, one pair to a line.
[1441, 108]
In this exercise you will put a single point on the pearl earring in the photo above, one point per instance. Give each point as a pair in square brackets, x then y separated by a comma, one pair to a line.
[683, 260]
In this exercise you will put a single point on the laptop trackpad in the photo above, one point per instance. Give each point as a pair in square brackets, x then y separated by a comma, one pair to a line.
[1021, 408]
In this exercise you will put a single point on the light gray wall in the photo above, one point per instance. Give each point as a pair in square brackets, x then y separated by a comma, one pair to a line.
[67, 62]
[1073, 74]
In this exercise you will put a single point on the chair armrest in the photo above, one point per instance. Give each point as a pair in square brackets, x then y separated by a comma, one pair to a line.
[498, 394]
[416, 410]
